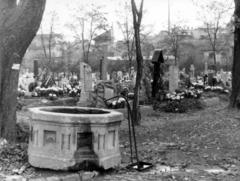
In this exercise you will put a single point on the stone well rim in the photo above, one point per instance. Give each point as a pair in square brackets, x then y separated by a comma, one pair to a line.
[40, 113]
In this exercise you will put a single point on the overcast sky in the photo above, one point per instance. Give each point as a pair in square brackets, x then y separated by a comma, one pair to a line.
[156, 15]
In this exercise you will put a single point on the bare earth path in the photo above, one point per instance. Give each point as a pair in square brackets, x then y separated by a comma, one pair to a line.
[201, 146]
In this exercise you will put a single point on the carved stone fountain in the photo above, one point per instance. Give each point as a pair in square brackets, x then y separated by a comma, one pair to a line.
[63, 138]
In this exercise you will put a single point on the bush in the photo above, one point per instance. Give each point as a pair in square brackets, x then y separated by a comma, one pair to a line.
[175, 107]
[181, 106]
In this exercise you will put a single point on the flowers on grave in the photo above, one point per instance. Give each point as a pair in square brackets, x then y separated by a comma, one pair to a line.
[74, 92]
[54, 92]
[217, 89]
[21, 92]
[3, 143]
[48, 92]
[175, 107]
[198, 85]
[182, 106]
[181, 101]
[182, 94]
[116, 104]
[52, 96]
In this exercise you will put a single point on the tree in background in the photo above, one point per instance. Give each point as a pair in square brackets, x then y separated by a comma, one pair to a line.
[49, 42]
[69, 51]
[125, 24]
[213, 14]
[19, 23]
[234, 99]
[89, 22]
[137, 19]
[172, 42]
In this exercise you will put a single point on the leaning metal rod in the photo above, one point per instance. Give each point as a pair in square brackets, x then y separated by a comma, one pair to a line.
[134, 136]
[129, 122]
[129, 130]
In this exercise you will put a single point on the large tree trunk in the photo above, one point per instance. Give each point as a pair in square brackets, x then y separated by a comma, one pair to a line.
[139, 57]
[236, 58]
[137, 18]
[18, 26]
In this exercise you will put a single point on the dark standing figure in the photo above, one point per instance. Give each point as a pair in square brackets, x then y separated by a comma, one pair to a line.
[188, 81]
[157, 84]
[35, 69]
[210, 79]
[205, 79]
[101, 67]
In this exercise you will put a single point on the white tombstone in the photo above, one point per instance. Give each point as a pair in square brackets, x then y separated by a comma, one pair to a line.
[86, 80]
[120, 75]
[25, 80]
[63, 82]
[173, 77]
[206, 68]
[108, 76]
[224, 77]
[192, 70]
[86, 76]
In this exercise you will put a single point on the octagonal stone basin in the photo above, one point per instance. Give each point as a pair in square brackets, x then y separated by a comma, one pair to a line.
[63, 138]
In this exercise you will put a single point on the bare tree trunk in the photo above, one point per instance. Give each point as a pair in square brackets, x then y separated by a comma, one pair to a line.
[236, 59]
[137, 17]
[18, 26]
[215, 61]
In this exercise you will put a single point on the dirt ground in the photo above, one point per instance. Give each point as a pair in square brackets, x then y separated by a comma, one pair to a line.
[202, 146]
[195, 146]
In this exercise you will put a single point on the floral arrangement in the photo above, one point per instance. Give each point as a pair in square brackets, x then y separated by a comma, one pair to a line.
[21, 92]
[182, 106]
[53, 93]
[48, 92]
[180, 101]
[182, 94]
[218, 89]
[116, 104]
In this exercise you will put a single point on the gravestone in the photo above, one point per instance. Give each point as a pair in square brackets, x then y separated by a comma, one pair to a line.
[230, 79]
[132, 73]
[224, 78]
[103, 69]
[104, 90]
[108, 76]
[109, 92]
[63, 82]
[25, 80]
[127, 76]
[86, 80]
[173, 77]
[210, 78]
[133, 76]
[35, 68]
[114, 77]
[192, 71]
[205, 68]
[120, 75]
